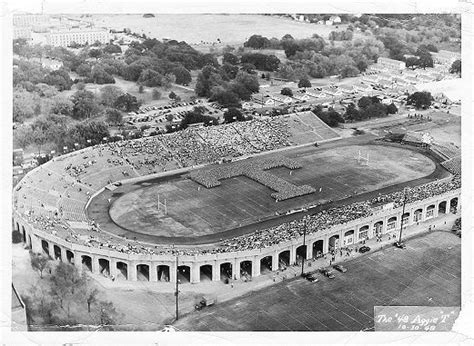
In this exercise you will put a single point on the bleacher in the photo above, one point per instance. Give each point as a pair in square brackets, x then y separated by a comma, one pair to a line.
[453, 165]
[318, 127]
[446, 150]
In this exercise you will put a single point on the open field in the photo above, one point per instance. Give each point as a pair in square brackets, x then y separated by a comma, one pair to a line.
[229, 28]
[195, 211]
[426, 273]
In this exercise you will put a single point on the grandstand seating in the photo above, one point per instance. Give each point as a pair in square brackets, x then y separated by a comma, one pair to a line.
[453, 165]
[446, 150]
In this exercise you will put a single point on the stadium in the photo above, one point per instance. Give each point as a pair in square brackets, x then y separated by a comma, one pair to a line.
[241, 199]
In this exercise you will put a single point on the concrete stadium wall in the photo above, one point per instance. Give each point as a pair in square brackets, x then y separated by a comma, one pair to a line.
[35, 238]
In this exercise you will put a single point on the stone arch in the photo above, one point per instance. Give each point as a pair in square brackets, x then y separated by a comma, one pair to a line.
[453, 205]
[122, 269]
[205, 272]
[348, 238]
[70, 256]
[334, 242]
[163, 273]
[418, 215]
[284, 259]
[378, 227]
[266, 264]
[318, 248]
[301, 252]
[442, 207]
[363, 233]
[57, 252]
[405, 218]
[45, 247]
[104, 266]
[184, 274]
[23, 233]
[18, 226]
[392, 223]
[29, 242]
[143, 272]
[87, 262]
[246, 268]
[226, 271]
[430, 211]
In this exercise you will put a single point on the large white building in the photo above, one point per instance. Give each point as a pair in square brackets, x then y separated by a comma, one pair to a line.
[65, 38]
[28, 19]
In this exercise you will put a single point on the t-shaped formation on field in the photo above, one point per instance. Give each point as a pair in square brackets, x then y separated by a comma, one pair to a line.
[255, 170]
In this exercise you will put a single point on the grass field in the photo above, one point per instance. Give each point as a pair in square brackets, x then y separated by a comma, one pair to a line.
[426, 273]
[238, 201]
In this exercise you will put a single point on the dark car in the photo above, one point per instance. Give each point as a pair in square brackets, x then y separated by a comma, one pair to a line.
[364, 249]
[328, 273]
[312, 278]
[340, 268]
[400, 245]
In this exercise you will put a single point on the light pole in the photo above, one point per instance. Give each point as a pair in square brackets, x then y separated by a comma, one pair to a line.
[176, 293]
[304, 245]
[403, 212]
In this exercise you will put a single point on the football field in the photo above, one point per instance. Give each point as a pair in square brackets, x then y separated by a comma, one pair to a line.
[193, 210]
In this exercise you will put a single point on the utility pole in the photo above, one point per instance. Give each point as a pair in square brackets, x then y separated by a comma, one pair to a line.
[403, 212]
[304, 245]
[177, 290]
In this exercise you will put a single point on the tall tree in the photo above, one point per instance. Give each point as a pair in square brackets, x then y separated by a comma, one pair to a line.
[84, 104]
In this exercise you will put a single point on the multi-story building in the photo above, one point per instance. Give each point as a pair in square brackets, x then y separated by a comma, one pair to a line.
[21, 32]
[65, 38]
[21, 20]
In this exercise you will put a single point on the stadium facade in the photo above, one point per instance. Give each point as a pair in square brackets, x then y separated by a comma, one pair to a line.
[163, 267]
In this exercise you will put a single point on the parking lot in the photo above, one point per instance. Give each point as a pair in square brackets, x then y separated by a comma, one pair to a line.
[157, 117]
[426, 273]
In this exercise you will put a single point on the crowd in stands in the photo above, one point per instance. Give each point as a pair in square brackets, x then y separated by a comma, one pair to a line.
[49, 198]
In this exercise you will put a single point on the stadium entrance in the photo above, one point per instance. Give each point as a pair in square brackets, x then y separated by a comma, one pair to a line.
[334, 243]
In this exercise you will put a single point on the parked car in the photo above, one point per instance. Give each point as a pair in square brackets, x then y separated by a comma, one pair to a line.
[340, 268]
[364, 249]
[400, 245]
[327, 272]
[312, 278]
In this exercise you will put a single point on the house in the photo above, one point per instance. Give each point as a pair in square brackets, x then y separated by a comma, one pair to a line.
[331, 92]
[52, 64]
[282, 98]
[385, 82]
[391, 63]
[371, 79]
[315, 93]
[301, 97]
[347, 89]
[363, 88]
[335, 19]
[266, 101]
